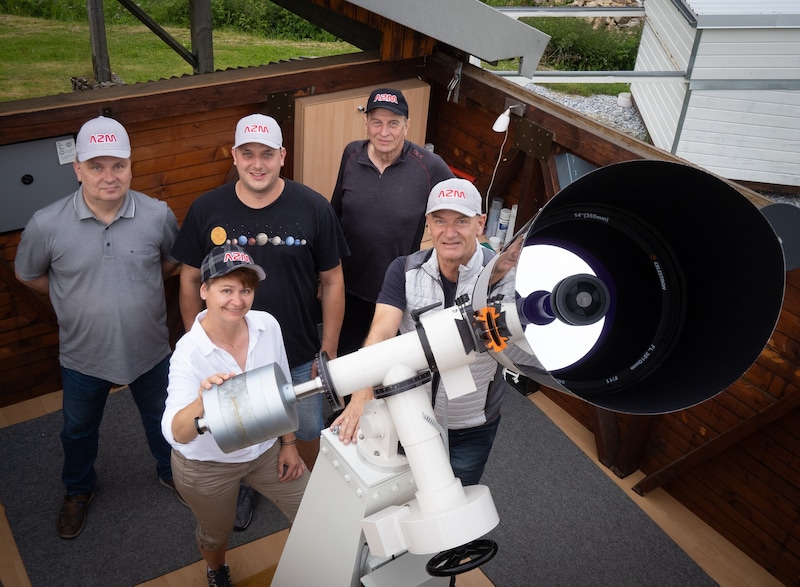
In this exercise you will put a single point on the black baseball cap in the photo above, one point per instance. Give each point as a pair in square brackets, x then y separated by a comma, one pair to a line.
[390, 99]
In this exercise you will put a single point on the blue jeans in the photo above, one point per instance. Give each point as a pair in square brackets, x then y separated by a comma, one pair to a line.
[84, 401]
[469, 450]
[309, 409]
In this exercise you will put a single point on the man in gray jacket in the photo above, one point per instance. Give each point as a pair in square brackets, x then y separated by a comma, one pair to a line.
[440, 275]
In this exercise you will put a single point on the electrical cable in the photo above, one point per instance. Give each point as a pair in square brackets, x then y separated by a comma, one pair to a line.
[491, 182]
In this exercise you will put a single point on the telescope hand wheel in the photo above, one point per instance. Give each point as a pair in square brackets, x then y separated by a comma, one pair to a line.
[461, 558]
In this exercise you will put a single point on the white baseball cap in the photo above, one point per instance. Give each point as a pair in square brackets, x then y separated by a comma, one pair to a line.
[455, 194]
[102, 137]
[258, 128]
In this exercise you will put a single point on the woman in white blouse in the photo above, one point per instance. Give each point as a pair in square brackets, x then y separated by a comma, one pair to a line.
[226, 338]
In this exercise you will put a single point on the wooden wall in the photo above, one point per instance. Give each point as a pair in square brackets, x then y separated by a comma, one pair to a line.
[747, 488]
[28, 334]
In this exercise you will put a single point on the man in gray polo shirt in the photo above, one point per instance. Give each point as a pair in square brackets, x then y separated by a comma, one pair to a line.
[101, 254]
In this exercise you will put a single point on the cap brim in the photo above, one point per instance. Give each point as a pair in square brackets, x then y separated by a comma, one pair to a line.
[257, 269]
[390, 108]
[119, 154]
[266, 143]
[455, 208]
[262, 275]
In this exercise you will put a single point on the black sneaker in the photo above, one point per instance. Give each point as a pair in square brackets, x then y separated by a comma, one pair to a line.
[244, 507]
[220, 578]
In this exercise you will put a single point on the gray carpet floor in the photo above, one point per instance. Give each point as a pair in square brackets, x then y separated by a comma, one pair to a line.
[562, 521]
[136, 529]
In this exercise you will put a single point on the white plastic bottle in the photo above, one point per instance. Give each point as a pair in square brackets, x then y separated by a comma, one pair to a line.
[512, 220]
[502, 224]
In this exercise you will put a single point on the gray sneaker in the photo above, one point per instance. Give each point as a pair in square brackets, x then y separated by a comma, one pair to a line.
[244, 507]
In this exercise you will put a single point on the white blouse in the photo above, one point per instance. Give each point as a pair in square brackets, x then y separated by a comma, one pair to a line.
[196, 358]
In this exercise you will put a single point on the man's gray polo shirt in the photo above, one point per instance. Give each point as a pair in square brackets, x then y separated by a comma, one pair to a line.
[106, 282]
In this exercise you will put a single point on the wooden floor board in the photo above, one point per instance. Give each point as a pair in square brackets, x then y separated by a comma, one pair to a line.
[253, 563]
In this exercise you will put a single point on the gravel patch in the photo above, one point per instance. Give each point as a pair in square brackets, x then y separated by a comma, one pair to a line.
[603, 108]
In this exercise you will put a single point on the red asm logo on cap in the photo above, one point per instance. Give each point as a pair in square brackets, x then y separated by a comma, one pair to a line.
[385, 98]
[256, 128]
[451, 193]
[236, 256]
[103, 138]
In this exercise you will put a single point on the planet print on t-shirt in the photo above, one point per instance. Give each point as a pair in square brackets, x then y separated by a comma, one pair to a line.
[219, 236]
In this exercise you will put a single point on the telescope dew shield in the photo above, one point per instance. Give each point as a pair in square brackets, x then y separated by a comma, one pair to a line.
[694, 274]
[250, 408]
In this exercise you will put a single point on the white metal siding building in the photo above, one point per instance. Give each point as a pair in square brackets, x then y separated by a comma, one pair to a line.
[736, 110]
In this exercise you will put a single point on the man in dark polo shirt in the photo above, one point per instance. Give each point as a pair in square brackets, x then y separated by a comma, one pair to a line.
[380, 196]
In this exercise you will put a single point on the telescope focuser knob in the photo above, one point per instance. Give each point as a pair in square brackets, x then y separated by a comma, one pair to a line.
[415, 314]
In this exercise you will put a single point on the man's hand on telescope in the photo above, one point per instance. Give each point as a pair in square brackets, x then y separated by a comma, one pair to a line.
[347, 422]
[384, 326]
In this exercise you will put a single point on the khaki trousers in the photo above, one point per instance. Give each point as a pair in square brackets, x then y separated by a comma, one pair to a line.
[211, 490]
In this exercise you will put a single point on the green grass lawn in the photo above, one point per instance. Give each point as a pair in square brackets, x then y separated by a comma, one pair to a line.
[39, 57]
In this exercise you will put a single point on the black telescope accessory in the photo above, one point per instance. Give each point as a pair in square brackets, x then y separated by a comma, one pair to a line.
[644, 296]
[420, 378]
[577, 300]
[415, 314]
[328, 389]
[461, 559]
[580, 300]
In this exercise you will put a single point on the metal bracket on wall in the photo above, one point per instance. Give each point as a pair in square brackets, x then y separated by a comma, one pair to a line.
[531, 138]
[454, 85]
[280, 106]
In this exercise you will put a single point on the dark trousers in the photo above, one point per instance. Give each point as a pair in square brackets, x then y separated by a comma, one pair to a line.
[84, 402]
[358, 315]
[469, 450]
